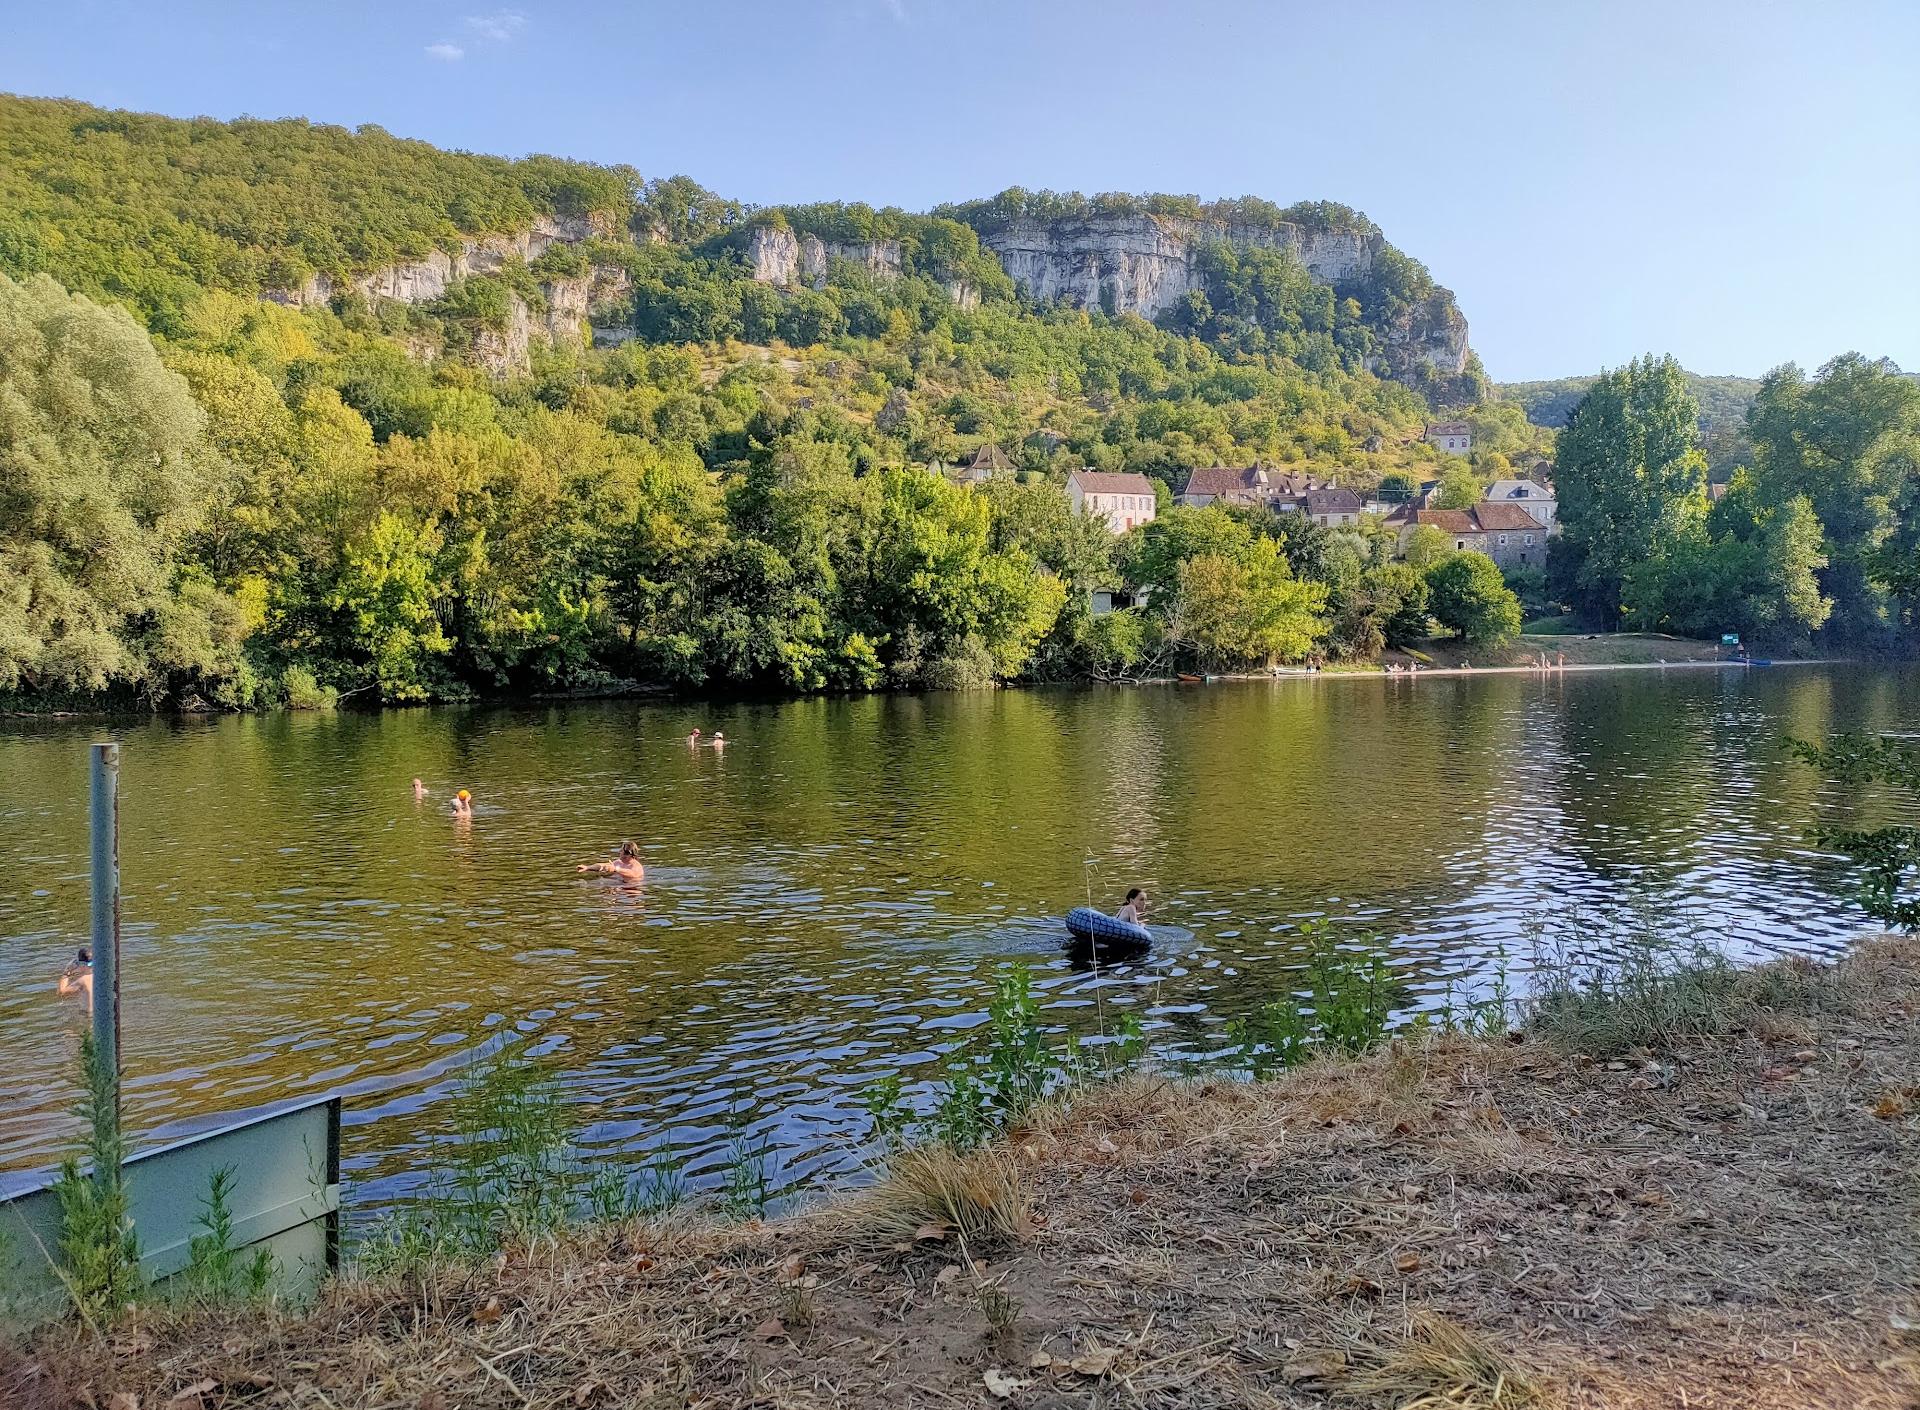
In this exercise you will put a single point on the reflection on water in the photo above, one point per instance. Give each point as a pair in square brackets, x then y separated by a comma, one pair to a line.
[828, 899]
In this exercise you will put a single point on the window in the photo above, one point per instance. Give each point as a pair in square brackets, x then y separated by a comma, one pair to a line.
[1503, 540]
[1527, 539]
[1459, 543]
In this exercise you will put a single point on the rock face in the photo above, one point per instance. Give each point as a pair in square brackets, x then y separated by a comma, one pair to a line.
[1142, 264]
[1146, 264]
[778, 256]
[424, 280]
[570, 300]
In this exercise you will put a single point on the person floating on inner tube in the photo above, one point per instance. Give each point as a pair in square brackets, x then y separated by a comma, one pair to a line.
[1135, 910]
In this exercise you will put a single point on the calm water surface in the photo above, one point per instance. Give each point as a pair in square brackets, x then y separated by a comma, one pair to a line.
[829, 899]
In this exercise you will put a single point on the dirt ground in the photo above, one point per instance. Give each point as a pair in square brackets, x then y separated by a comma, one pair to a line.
[1449, 1222]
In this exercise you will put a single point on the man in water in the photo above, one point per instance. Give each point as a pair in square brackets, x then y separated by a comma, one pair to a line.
[719, 740]
[1135, 910]
[77, 978]
[693, 740]
[463, 804]
[419, 790]
[626, 866]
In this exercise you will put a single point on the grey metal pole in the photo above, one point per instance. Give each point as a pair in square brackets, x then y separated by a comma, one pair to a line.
[106, 912]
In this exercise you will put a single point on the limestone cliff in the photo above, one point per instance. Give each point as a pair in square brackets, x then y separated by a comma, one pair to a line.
[1146, 264]
[570, 300]
[779, 256]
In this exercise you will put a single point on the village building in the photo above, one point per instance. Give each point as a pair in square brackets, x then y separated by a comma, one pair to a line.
[1453, 437]
[988, 462]
[1124, 501]
[1537, 499]
[1224, 484]
[1506, 533]
[1333, 508]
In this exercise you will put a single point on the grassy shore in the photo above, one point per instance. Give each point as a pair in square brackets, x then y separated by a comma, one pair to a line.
[1689, 1190]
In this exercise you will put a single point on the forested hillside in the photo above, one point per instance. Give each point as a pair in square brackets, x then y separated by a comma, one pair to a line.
[1723, 401]
[209, 496]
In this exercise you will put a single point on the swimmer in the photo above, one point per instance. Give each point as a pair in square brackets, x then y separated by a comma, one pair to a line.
[693, 740]
[719, 740]
[625, 866]
[419, 790]
[463, 804]
[77, 978]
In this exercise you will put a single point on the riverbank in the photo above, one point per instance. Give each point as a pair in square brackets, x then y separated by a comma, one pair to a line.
[1725, 1221]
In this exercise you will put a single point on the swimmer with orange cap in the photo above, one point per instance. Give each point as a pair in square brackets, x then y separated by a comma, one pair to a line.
[626, 866]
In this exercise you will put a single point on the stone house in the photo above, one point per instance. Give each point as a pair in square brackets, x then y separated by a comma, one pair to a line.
[1537, 499]
[1333, 507]
[1124, 501]
[989, 462]
[1453, 437]
[1506, 533]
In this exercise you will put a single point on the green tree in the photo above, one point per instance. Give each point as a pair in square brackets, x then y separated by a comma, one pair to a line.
[1628, 469]
[1460, 486]
[104, 475]
[1235, 610]
[1468, 596]
[1848, 442]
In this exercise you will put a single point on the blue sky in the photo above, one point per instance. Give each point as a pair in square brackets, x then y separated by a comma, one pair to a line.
[1733, 181]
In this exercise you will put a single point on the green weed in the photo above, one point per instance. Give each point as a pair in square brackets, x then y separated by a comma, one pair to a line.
[99, 1250]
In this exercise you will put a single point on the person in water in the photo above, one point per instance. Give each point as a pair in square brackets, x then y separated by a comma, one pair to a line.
[1134, 912]
[419, 790]
[719, 740]
[463, 804]
[626, 866]
[77, 978]
[693, 740]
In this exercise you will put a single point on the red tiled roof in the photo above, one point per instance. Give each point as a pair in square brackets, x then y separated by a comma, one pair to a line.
[1502, 517]
[1220, 481]
[1104, 482]
[1453, 521]
[1333, 502]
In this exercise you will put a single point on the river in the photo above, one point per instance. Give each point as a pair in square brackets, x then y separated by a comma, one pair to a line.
[829, 899]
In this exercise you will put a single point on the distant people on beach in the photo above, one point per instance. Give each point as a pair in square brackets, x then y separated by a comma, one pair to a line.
[626, 866]
[77, 978]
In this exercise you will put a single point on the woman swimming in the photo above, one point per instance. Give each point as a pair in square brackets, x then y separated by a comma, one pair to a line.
[463, 804]
[626, 866]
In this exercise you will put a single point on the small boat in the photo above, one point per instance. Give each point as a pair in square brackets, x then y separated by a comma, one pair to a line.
[1101, 932]
[1189, 680]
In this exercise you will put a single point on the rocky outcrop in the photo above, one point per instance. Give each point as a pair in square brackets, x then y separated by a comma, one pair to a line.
[507, 350]
[1146, 264]
[779, 256]
[571, 301]
[428, 278]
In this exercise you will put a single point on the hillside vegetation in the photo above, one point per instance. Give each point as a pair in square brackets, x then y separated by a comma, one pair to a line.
[214, 498]
[1723, 401]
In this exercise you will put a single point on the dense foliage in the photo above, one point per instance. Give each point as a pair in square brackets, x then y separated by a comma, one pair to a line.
[1722, 401]
[1817, 535]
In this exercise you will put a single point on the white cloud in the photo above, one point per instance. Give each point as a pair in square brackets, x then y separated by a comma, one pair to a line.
[446, 53]
[500, 26]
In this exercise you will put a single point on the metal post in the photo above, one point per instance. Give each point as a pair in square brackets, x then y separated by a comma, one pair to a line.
[106, 912]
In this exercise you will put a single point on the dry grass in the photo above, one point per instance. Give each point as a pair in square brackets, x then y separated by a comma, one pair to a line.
[1431, 1363]
[980, 1198]
[1449, 1222]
